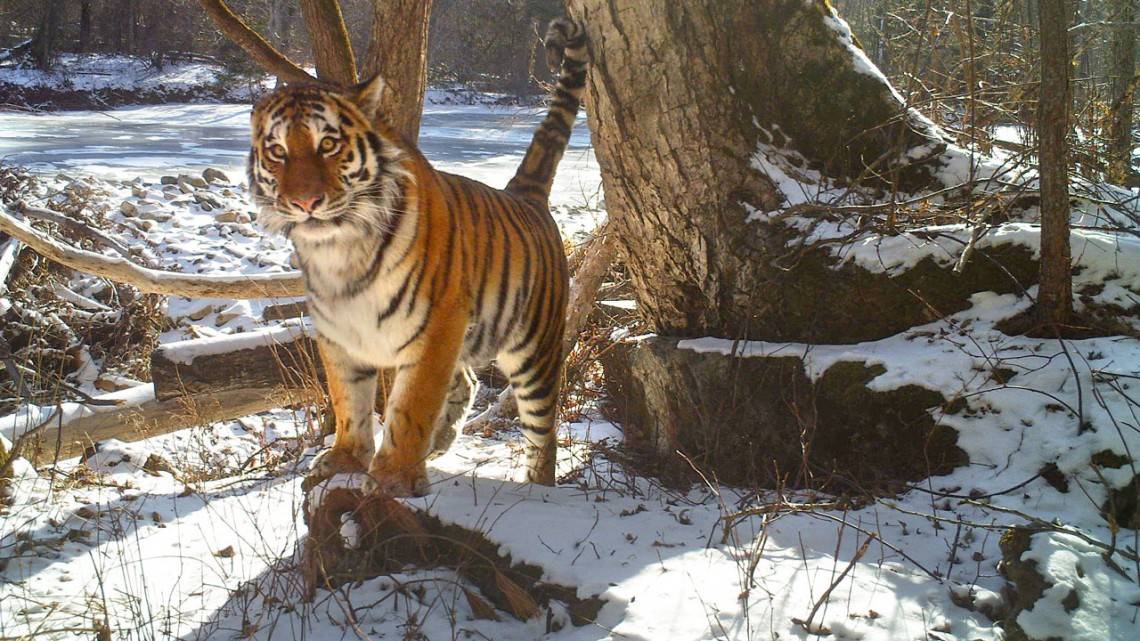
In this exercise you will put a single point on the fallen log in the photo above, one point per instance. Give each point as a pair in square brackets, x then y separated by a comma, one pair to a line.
[283, 357]
[47, 434]
[154, 281]
[389, 536]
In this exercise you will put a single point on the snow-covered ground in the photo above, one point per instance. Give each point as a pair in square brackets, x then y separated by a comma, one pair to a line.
[209, 550]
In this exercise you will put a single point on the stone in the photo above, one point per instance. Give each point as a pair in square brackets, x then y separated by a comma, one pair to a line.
[128, 208]
[139, 192]
[168, 180]
[214, 175]
[203, 197]
[228, 216]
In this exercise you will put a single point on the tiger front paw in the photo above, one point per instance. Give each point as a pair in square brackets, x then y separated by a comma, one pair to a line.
[389, 479]
[336, 461]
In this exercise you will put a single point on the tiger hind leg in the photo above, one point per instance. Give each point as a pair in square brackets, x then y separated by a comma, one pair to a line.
[535, 382]
[460, 396]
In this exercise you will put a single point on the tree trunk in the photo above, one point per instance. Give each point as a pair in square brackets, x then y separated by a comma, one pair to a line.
[1055, 296]
[677, 149]
[689, 102]
[46, 32]
[84, 25]
[329, 38]
[397, 50]
[1123, 72]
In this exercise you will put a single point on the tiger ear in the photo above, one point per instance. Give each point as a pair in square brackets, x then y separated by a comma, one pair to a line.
[368, 94]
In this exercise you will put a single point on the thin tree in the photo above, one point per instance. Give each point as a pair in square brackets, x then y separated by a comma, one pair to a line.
[1055, 293]
[1122, 61]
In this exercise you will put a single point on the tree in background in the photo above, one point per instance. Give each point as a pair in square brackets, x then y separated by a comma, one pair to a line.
[1123, 74]
[1055, 291]
[397, 50]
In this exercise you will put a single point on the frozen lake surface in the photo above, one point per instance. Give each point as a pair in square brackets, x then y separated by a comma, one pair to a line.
[483, 142]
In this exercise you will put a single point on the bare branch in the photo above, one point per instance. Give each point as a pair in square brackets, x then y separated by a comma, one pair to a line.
[252, 43]
[153, 281]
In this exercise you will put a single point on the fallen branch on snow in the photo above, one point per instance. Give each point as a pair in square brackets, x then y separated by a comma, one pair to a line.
[153, 281]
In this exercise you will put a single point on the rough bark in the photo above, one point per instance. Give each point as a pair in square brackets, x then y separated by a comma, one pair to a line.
[761, 420]
[397, 50]
[676, 148]
[267, 359]
[1123, 72]
[1055, 295]
[329, 38]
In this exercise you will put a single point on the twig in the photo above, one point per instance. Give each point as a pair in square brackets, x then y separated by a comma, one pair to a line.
[806, 625]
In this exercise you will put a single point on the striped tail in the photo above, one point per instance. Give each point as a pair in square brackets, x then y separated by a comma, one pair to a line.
[565, 50]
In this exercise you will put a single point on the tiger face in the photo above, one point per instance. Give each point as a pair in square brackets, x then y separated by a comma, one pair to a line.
[320, 162]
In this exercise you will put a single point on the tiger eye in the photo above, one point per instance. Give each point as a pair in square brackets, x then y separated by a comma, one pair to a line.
[276, 152]
[329, 145]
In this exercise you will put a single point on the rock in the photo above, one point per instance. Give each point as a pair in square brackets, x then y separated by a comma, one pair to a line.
[237, 310]
[128, 208]
[193, 181]
[170, 195]
[184, 185]
[203, 197]
[744, 419]
[244, 218]
[139, 192]
[154, 213]
[228, 216]
[155, 464]
[214, 175]
[168, 180]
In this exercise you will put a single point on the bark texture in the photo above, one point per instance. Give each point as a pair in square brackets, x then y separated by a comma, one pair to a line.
[1055, 295]
[680, 95]
[762, 420]
[397, 50]
[329, 38]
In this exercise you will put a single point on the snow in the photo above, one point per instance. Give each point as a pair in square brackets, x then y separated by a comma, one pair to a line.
[1073, 567]
[210, 549]
[102, 72]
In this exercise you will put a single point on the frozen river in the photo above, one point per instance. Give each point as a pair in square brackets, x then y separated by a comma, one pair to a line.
[479, 141]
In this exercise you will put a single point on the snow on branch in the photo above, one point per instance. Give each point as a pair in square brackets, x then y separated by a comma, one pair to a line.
[153, 281]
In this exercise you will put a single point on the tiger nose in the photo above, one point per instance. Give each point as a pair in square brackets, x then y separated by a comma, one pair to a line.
[306, 203]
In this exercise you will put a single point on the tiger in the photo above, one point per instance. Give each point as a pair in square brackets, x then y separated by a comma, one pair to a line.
[412, 269]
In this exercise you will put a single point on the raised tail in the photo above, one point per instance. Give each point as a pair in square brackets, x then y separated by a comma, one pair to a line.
[565, 51]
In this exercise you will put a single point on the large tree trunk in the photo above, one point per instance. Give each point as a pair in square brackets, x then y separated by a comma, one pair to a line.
[688, 103]
[398, 51]
[329, 37]
[1055, 296]
[681, 96]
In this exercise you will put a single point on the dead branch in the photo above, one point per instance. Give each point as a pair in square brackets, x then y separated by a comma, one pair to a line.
[392, 534]
[276, 357]
[256, 46]
[74, 225]
[331, 46]
[72, 427]
[593, 260]
[9, 251]
[152, 281]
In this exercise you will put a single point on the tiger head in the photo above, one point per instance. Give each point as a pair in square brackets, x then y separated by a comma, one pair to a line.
[322, 162]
